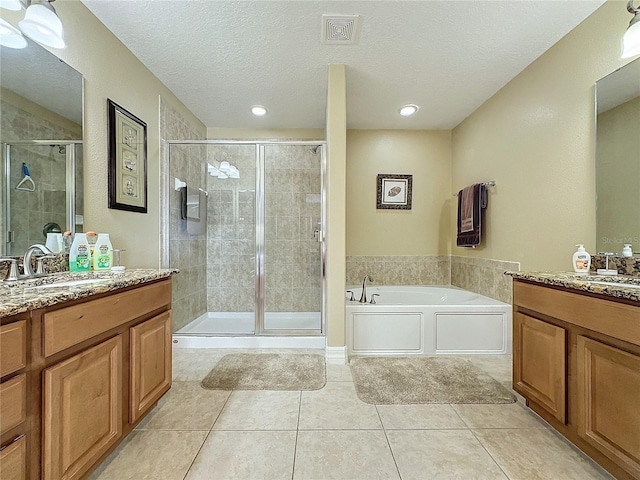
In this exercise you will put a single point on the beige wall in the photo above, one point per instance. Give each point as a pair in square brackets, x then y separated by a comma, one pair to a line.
[618, 177]
[423, 230]
[335, 234]
[536, 139]
[111, 71]
[265, 134]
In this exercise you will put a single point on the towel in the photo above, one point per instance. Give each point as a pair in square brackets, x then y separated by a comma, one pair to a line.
[472, 201]
[194, 210]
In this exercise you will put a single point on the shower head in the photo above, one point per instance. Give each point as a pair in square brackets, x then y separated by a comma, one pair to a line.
[314, 150]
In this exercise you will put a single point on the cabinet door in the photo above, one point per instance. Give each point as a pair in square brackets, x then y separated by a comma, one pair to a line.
[609, 402]
[539, 363]
[82, 410]
[150, 363]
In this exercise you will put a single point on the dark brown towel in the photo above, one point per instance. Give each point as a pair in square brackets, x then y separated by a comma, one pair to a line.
[473, 237]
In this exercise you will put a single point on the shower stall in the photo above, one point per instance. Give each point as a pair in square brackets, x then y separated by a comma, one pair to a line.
[255, 267]
[42, 191]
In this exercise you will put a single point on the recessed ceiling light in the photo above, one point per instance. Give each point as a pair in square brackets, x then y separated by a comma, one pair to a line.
[259, 110]
[408, 110]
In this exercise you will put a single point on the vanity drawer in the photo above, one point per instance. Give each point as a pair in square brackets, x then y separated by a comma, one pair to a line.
[13, 408]
[13, 347]
[13, 460]
[69, 326]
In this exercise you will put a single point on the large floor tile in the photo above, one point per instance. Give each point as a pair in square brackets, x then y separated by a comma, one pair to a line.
[416, 417]
[245, 455]
[537, 454]
[260, 410]
[498, 366]
[341, 454]
[339, 373]
[441, 454]
[508, 415]
[187, 406]
[336, 407]
[193, 364]
[152, 455]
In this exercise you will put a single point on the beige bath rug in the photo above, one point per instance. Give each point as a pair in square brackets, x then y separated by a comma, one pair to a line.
[411, 380]
[267, 371]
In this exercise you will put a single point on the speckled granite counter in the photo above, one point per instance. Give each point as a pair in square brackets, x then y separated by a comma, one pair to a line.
[25, 295]
[620, 286]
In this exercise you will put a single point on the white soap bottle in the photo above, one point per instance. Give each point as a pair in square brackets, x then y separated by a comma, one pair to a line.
[80, 255]
[102, 253]
[581, 260]
[626, 251]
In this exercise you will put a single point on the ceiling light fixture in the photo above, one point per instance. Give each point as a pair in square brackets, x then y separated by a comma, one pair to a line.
[259, 110]
[408, 110]
[631, 39]
[10, 36]
[41, 23]
[14, 5]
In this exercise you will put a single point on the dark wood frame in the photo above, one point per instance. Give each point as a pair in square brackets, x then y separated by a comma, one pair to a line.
[394, 177]
[115, 159]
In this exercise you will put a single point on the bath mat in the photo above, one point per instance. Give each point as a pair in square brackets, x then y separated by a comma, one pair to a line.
[267, 371]
[413, 380]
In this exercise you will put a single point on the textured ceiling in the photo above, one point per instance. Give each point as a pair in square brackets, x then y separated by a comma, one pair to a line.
[220, 57]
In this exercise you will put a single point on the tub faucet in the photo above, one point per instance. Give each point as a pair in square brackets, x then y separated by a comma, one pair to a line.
[363, 296]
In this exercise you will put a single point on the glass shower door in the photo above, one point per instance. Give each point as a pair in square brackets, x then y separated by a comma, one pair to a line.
[292, 250]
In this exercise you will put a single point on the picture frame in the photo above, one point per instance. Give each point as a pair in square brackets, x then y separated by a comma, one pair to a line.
[394, 191]
[127, 136]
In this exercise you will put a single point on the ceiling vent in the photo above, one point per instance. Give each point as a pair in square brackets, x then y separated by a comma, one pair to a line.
[340, 29]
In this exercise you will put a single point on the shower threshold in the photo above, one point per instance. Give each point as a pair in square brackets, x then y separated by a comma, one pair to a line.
[236, 330]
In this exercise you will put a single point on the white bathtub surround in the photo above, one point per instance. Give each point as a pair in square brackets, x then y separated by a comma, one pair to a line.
[427, 320]
[399, 269]
[483, 276]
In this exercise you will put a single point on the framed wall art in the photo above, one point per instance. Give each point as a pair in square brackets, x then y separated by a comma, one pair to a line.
[394, 191]
[127, 160]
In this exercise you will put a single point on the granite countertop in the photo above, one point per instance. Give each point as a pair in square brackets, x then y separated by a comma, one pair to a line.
[619, 286]
[25, 295]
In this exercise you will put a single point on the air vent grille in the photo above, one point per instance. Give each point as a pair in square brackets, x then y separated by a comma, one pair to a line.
[340, 29]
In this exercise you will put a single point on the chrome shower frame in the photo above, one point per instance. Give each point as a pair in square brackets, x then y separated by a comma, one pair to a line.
[260, 329]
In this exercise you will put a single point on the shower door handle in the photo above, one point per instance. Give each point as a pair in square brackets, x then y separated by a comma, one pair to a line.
[317, 234]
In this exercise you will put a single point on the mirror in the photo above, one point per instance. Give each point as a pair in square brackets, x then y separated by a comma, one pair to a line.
[618, 160]
[41, 136]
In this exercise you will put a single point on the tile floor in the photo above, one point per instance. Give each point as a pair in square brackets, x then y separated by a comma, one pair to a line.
[198, 434]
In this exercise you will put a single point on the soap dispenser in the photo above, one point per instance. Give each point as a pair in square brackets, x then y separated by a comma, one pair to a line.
[626, 251]
[581, 260]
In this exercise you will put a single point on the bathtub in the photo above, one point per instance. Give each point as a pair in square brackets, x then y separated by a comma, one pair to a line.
[427, 320]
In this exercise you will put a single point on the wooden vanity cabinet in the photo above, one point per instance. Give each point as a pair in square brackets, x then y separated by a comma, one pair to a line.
[576, 360]
[14, 377]
[99, 365]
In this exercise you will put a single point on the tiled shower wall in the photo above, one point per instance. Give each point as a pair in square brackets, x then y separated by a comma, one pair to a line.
[47, 166]
[479, 275]
[186, 252]
[292, 212]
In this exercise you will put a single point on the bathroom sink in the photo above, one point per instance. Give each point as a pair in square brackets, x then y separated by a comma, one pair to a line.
[73, 283]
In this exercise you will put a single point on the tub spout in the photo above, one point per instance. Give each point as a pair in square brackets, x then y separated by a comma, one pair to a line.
[363, 296]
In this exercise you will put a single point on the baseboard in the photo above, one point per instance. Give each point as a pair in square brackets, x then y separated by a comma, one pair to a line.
[336, 355]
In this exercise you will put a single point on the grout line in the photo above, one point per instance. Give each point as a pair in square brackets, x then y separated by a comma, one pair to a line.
[388, 442]
[207, 436]
[489, 453]
[295, 445]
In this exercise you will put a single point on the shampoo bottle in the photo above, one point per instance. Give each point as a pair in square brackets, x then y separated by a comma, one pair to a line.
[103, 253]
[581, 260]
[79, 254]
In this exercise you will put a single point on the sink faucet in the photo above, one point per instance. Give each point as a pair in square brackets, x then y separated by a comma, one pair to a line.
[26, 263]
[363, 296]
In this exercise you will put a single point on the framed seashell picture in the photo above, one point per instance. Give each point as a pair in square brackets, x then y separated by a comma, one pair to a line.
[394, 191]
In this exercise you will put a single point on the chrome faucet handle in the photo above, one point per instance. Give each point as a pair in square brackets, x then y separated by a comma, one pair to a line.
[373, 298]
[351, 298]
[40, 264]
[13, 269]
[26, 263]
